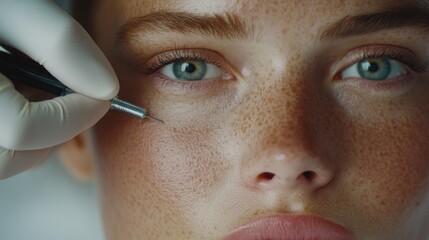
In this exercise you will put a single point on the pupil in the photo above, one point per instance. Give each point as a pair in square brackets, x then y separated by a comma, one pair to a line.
[188, 67]
[373, 67]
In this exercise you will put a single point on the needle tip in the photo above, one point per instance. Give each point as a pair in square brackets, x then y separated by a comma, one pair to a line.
[155, 119]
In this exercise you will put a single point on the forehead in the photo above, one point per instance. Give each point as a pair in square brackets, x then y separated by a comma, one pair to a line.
[260, 8]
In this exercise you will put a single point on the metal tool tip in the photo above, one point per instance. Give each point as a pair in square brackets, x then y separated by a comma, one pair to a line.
[155, 119]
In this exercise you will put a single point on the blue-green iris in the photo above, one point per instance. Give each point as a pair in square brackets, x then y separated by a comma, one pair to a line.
[374, 68]
[190, 70]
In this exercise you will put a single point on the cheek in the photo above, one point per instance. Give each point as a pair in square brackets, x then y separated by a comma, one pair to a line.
[385, 162]
[186, 165]
[158, 170]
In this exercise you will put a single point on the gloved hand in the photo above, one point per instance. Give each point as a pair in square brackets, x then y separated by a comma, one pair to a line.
[29, 130]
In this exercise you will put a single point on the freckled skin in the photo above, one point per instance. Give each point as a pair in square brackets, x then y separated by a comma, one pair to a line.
[196, 177]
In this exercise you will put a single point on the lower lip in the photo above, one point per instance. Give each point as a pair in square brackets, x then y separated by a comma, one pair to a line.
[290, 227]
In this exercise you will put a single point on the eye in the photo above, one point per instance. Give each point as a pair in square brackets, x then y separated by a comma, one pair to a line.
[375, 69]
[191, 70]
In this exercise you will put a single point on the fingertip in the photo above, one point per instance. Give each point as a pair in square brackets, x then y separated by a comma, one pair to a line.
[107, 91]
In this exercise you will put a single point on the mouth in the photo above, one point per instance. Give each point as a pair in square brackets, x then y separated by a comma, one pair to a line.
[290, 227]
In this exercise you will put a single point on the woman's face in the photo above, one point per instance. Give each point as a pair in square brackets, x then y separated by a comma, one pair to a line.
[272, 109]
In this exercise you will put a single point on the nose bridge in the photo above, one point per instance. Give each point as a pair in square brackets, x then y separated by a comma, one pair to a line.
[276, 114]
[281, 149]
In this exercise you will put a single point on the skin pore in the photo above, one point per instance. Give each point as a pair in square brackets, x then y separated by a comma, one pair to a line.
[281, 125]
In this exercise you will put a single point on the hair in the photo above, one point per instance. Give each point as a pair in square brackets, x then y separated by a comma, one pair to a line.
[81, 11]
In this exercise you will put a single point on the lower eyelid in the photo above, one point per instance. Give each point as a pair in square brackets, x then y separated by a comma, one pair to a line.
[388, 88]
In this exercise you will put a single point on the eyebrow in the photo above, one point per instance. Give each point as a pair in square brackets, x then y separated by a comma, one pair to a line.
[221, 26]
[393, 17]
[233, 27]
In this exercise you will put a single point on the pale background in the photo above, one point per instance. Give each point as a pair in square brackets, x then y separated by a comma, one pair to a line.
[48, 203]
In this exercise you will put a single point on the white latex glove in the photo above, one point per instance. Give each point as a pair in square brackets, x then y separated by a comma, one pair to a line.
[29, 130]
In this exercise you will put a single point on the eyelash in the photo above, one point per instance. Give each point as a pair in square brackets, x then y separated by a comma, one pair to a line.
[175, 55]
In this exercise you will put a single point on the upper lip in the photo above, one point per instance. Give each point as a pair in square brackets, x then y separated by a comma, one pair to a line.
[290, 227]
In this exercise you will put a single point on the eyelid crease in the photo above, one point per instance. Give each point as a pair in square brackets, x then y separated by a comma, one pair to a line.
[413, 63]
[162, 59]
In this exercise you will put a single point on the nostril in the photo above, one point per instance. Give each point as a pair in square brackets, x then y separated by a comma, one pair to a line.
[309, 175]
[266, 176]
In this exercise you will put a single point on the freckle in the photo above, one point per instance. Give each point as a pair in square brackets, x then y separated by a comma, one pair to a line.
[267, 11]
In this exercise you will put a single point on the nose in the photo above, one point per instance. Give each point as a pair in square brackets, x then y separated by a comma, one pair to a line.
[282, 169]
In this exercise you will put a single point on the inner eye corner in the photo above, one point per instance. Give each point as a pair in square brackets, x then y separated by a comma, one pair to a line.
[265, 176]
[337, 76]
